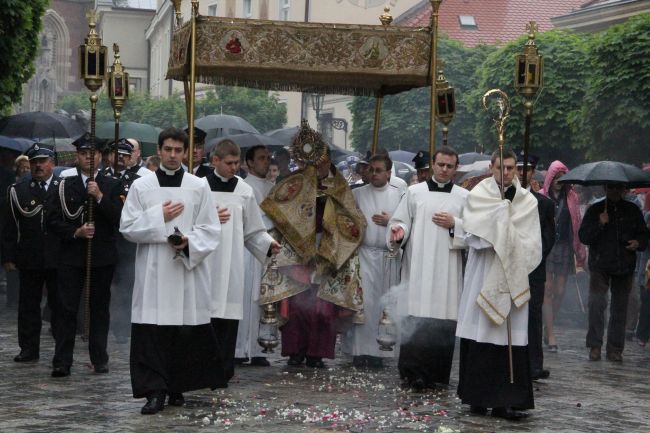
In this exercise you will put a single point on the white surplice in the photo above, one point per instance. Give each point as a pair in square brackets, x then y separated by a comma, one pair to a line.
[522, 220]
[245, 228]
[433, 277]
[248, 330]
[168, 290]
[378, 271]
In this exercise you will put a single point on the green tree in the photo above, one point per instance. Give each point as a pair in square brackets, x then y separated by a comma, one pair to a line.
[405, 117]
[262, 109]
[616, 110]
[558, 104]
[20, 24]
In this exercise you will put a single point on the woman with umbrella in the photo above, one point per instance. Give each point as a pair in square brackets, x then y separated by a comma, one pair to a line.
[567, 250]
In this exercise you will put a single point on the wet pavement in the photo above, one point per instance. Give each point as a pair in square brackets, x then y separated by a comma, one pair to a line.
[580, 396]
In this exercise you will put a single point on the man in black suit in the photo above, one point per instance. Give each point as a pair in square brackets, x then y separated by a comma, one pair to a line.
[537, 278]
[27, 245]
[69, 220]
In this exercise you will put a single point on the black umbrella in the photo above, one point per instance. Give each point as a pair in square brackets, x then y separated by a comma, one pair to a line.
[284, 135]
[220, 125]
[245, 141]
[402, 156]
[607, 172]
[472, 157]
[40, 125]
[13, 144]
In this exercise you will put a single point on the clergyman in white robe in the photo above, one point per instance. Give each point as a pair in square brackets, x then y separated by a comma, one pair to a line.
[432, 280]
[379, 272]
[244, 229]
[171, 295]
[504, 240]
[248, 331]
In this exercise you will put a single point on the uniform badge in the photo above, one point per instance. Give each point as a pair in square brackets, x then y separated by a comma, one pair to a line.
[33, 202]
[33, 184]
[56, 182]
[36, 147]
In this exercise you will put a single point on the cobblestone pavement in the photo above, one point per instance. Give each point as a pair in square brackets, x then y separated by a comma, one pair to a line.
[580, 396]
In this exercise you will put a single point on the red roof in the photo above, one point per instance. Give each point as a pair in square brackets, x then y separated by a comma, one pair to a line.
[497, 21]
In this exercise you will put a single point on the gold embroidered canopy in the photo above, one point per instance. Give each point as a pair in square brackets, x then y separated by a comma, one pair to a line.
[309, 57]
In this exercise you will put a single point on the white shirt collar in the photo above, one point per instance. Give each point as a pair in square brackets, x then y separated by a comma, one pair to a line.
[440, 185]
[169, 172]
[223, 179]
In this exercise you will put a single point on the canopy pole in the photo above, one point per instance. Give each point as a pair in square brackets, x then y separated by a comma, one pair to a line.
[435, 6]
[379, 100]
[192, 95]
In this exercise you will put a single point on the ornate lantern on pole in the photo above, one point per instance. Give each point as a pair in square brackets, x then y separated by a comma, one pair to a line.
[317, 101]
[387, 332]
[118, 92]
[92, 68]
[268, 336]
[445, 103]
[529, 78]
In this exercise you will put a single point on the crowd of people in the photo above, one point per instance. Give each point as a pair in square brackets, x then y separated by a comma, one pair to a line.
[190, 259]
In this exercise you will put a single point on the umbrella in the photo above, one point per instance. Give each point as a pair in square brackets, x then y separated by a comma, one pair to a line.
[471, 157]
[40, 125]
[219, 125]
[14, 144]
[146, 134]
[284, 135]
[607, 172]
[401, 156]
[245, 141]
[483, 165]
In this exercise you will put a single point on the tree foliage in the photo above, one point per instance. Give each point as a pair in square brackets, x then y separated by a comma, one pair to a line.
[20, 24]
[557, 106]
[616, 110]
[262, 109]
[405, 117]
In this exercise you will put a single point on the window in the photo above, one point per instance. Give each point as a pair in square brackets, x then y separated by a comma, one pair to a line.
[467, 21]
[212, 10]
[285, 5]
[248, 8]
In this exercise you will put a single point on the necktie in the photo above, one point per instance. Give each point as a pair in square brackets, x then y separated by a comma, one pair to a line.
[43, 185]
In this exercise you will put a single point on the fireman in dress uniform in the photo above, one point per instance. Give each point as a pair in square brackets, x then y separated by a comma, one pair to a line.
[30, 247]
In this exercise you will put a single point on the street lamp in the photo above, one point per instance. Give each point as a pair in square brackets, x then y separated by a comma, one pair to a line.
[317, 100]
[445, 103]
[529, 78]
[118, 92]
[92, 68]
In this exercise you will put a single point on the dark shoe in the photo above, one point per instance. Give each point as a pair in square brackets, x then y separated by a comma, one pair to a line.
[101, 368]
[26, 356]
[155, 403]
[418, 385]
[60, 371]
[614, 356]
[313, 362]
[594, 353]
[552, 348]
[359, 361]
[478, 410]
[540, 374]
[375, 362]
[508, 413]
[295, 360]
[260, 361]
[176, 399]
[240, 361]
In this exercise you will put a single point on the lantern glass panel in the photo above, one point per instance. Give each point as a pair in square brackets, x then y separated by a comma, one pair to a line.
[126, 85]
[92, 63]
[521, 71]
[442, 104]
[119, 87]
[451, 102]
[532, 74]
[102, 62]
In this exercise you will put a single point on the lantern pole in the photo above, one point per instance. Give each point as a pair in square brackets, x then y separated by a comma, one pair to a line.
[435, 7]
[446, 103]
[529, 73]
[92, 62]
[118, 92]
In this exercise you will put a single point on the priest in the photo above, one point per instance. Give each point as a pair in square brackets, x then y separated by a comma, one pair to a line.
[258, 161]
[504, 238]
[379, 265]
[241, 227]
[428, 220]
[172, 218]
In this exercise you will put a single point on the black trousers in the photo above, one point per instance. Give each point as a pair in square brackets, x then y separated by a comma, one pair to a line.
[71, 283]
[174, 359]
[29, 306]
[599, 284]
[535, 326]
[484, 376]
[427, 351]
[643, 328]
[226, 332]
